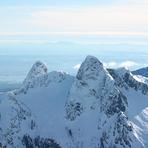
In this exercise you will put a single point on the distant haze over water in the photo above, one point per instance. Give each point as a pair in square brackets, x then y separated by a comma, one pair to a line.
[17, 59]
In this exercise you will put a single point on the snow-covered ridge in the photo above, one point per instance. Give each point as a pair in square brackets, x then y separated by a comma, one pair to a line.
[142, 72]
[44, 80]
[38, 76]
[124, 78]
[95, 109]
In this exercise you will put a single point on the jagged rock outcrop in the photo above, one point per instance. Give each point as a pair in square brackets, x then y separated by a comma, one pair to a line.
[38, 76]
[38, 69]
[13, 119]
[39, 142]
[125, 79]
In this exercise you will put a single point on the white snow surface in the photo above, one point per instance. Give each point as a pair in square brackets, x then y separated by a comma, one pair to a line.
[86, 111]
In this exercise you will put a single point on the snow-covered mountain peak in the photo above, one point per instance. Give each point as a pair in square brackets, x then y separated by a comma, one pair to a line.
[90, 68]
[39, 77]
[95, 93]
[94, 81]
[37, 70]
[93, 74]
[45, 80]
[91, 110]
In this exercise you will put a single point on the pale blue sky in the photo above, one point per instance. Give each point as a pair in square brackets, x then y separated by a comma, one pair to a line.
[63, 32]
[77, 17]
[58, 2]
[86, 21]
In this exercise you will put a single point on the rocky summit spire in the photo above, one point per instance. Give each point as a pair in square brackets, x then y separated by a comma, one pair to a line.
[125, 79]
[90, 68]
[94, 99]
[94, 81]
[37, 70]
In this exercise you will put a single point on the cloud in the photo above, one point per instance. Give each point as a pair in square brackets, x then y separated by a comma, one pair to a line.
[127, 64]
[77, 66]
[110, 64]
[84, 20]
[122, 19]
[138, 2]
[126, 19]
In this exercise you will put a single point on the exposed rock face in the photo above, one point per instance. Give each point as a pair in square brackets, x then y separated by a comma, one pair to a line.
[39, 142]
[13, 119]
[39, 77]
[90, 69]
[95, 91]
[44, 80]
[125, 79]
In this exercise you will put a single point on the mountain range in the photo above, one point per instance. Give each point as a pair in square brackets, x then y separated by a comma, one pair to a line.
[97, 108]
[141, 71]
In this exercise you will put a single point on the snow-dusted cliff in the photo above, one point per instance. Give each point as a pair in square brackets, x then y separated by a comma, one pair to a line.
[99, 108]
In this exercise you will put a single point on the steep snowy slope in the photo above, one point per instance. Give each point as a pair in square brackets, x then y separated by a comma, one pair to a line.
[34, 114]
[135, 88]
[98, 108]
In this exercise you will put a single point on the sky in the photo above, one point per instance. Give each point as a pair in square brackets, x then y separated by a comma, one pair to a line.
[76, 20]
[90, 21]
[72, 18]
[115, 31]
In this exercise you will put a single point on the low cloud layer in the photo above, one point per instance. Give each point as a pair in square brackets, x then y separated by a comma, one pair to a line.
[128, 64]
